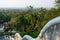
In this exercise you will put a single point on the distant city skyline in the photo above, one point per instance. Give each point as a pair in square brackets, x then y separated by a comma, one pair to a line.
[25, 3]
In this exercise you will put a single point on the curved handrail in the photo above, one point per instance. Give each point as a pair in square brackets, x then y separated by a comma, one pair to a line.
[49, 24]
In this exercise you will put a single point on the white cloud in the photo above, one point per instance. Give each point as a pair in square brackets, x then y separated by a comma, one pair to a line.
[24, 3]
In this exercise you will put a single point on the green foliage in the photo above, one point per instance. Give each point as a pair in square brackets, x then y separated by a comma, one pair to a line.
[29, 21]
[4, 17]
[58, 3]
[1, 33]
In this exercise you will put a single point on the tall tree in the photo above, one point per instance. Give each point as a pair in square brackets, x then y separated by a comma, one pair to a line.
[57, 3]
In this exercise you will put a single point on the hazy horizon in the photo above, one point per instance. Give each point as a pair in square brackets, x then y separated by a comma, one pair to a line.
[25, 3]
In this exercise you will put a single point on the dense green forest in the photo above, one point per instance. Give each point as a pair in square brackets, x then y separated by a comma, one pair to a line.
[29, 21]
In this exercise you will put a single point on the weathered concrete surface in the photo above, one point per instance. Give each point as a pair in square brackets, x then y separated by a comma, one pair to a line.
[51, 30]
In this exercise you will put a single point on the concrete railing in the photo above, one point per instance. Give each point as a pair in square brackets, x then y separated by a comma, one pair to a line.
[51, 31]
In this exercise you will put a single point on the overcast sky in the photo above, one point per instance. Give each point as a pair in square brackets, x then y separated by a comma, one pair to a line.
[25, 3]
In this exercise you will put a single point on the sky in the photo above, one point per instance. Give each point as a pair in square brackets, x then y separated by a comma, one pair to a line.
[25, 3]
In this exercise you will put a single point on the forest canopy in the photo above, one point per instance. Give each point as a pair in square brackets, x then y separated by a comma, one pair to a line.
[29, 21]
